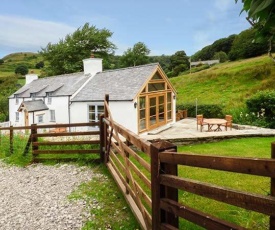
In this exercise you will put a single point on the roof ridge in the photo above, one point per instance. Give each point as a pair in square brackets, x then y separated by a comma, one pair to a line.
[131, 67]
[62, 75]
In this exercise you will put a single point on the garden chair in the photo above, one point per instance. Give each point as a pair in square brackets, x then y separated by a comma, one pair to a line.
[228, 123]
[200, 121]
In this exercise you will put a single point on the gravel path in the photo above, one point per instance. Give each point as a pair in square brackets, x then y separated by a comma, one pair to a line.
[35, 197]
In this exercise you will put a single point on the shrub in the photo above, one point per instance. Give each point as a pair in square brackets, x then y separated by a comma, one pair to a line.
[21, 69]
[39, 65]
[1, 61]
[208, 110]
[263, 105]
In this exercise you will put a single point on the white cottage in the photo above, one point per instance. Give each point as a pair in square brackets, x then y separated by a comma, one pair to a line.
[141, 98]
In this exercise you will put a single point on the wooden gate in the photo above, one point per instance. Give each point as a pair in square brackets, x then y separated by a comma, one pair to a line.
[63, 135]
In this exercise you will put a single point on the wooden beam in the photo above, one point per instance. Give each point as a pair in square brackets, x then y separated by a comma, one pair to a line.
[202, 219]
[254, 166]
[258, 203]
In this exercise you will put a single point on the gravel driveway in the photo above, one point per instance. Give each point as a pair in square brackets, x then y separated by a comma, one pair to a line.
[35, 197]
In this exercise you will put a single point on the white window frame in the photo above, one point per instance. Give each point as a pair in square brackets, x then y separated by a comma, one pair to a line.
[49, 97]
[40, 118]
[16, 116]
[97, 112]
[33, 95]
[16, 100]
[52, 115]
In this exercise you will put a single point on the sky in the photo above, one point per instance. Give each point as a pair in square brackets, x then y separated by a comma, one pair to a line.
[164, 26]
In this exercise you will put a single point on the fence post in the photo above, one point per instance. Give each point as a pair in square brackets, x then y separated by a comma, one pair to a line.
[159, 191]
[155, 187]
[102, 138]
[127, 155]
[272, 188]
[33, 137]
[106, 115]
[11, 140]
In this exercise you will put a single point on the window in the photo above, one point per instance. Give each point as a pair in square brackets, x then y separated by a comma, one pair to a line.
[49, 100]
[52, 115]
[16, 100]
[16, 116]
[40, 119]
[33, 96]
[142, 113]
[94, 112]
[49, 97]
[156, 87]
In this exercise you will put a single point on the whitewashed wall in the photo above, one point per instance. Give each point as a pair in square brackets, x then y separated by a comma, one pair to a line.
[61, 107]
[59, 104]
[123, 113]
[13, 107]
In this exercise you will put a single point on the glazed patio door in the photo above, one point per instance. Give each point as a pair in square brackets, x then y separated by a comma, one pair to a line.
[157, 112]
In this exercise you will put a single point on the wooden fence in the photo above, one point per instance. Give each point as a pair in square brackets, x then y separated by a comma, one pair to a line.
[62, 135]
[147, 174]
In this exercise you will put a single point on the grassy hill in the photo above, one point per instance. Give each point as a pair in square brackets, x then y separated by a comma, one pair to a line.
[228, 84]
[11, 61]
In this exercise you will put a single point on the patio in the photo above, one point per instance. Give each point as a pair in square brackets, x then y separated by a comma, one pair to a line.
[185, 131]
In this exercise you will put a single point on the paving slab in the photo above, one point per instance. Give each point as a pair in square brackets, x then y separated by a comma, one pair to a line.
[185, 131]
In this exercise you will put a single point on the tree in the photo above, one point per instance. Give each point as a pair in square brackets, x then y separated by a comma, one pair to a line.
[163, 60]
[261, 15]
[244, 47]
[138, 55]
[21, 69]
[1, 61]
[207, 53]
[179, 63]
[39, 65]
[8, 85]
[66, 56]
[222, 56]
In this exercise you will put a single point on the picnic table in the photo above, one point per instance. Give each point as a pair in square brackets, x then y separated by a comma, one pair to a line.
[214, 124]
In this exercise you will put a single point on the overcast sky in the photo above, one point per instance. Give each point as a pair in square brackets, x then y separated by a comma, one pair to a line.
[165, 26]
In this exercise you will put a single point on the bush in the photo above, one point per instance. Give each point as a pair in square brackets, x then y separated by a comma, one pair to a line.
[39, 65]
[21, 69]
[208, 111]
[1, 61]
[263, 105]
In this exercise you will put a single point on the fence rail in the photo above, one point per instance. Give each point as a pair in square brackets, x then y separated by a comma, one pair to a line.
[45, 136]
[249, 201]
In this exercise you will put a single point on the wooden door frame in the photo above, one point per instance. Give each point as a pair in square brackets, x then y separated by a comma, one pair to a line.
[26, 117]
[158, 124]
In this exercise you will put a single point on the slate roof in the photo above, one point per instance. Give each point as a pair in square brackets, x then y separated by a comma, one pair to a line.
[31, 106]
[61, 85]
[120, 84]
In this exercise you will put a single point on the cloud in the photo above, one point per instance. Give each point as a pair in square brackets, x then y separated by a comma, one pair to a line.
[19, 33]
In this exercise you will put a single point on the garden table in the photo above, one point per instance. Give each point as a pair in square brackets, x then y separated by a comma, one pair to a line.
[214, 122]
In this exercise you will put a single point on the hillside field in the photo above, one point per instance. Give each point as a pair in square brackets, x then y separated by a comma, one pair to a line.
[11, 61]
[227, 84]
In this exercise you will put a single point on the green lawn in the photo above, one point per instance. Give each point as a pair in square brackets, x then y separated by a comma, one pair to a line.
[246, 147]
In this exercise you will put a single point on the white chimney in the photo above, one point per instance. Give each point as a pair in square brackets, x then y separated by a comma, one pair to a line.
[30, 77]
[92, 65]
